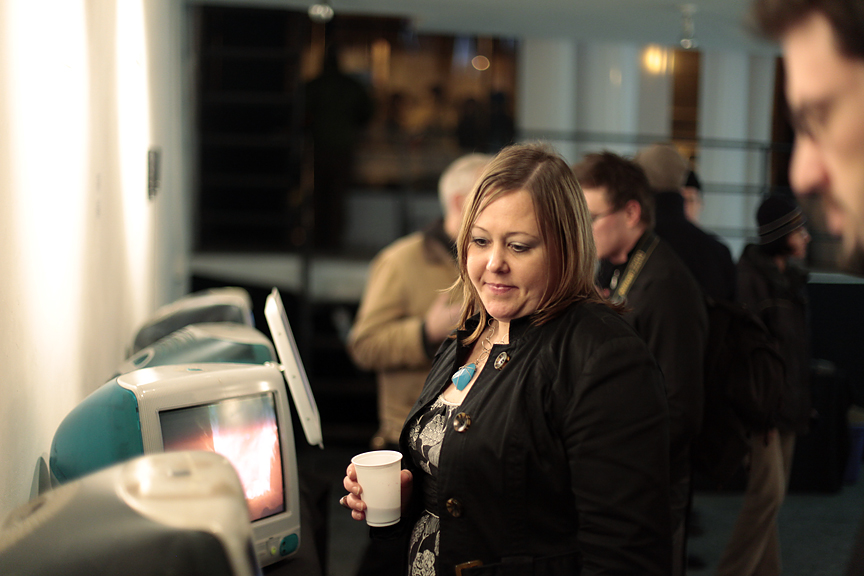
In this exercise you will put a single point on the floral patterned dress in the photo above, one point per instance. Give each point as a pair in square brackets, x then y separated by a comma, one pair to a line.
[424, 445]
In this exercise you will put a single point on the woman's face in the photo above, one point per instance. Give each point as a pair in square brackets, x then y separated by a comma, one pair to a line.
[507, 259]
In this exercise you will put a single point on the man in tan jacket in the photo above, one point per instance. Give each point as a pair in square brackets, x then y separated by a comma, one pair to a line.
[405, 315]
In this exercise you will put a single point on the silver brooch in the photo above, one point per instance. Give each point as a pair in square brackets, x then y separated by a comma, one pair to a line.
[501, 360]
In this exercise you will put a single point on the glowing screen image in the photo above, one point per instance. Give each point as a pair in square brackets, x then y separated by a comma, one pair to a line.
[244, 430]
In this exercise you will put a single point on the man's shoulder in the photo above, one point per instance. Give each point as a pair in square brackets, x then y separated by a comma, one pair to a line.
[690, 237]
[718, 248]
[402, 247]
[417, 252]
[664, 270]
[665, 258]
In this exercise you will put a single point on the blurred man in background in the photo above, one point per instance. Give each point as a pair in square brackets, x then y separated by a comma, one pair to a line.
[708, 259]
[404, 315]
[664, 304]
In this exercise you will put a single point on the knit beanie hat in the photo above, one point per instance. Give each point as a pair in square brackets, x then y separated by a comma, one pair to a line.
[665, 168]
[778, 215]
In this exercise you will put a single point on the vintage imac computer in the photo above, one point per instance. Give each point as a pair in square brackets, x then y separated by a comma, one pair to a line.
[207, 342]
[229, 304]
[238, 410]
[173, 513]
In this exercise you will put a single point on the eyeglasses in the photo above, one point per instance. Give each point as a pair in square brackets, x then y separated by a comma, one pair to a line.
[596, 217]
[811, 119]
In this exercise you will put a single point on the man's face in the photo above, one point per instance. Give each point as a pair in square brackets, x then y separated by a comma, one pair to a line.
[825, 90]
[692, 203]
[798, 241]
[613, 231]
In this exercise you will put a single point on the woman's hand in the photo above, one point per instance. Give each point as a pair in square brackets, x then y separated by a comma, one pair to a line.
[353, 502]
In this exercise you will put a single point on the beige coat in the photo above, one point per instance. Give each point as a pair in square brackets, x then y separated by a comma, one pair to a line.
[404, 279]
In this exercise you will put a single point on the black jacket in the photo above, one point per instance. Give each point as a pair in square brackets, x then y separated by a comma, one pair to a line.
[779, 299]
[566, 453]
[708, 259]
[667, 309]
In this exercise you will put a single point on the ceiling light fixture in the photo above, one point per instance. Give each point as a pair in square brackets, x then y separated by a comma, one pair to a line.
[688, 28]
[321, 13]
[480, 63]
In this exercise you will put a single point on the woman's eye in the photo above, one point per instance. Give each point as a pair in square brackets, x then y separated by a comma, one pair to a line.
[519, 247]
[480, 241]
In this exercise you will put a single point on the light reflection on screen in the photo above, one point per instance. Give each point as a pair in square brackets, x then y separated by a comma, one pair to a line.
[245, 431]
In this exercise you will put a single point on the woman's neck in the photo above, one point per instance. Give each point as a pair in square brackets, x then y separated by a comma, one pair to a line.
[501, 334]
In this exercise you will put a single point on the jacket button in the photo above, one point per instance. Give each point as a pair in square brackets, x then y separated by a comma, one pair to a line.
[461, 422]
[454, 507]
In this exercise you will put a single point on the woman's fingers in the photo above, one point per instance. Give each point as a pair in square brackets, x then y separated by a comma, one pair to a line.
[352, 500]
[406, 480]
[350, 481]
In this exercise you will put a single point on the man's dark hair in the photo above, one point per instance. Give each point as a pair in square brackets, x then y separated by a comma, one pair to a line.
[774, 18]
[623, 179]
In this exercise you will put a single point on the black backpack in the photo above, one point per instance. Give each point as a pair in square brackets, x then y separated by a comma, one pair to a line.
[744, 379]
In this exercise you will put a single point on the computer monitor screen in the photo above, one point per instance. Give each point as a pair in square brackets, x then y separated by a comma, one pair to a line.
[246, 432]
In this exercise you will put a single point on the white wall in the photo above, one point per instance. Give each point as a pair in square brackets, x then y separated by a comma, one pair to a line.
[545, 85]
[735, 103]
[86, 88]
[602, 88]
[621, 91]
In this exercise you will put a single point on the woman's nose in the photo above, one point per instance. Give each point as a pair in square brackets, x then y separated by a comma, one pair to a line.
[497, 260]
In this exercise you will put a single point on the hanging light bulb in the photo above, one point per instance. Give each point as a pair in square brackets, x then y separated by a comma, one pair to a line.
[688, 27]
[321, 12]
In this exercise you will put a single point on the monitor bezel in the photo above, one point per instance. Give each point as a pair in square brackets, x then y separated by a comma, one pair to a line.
[173, 387]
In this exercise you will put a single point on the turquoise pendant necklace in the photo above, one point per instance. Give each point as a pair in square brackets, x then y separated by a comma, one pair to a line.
[463, 376]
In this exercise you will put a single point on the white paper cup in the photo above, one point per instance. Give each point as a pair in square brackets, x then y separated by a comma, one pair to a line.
[378, 475]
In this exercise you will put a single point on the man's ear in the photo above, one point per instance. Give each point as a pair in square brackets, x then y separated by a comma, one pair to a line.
[456, 203]
[632, 213]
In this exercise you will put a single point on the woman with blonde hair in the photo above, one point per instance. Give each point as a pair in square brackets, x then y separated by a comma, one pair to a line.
[540, 442]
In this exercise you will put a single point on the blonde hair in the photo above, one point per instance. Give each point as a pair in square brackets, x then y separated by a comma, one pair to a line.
[562, 217]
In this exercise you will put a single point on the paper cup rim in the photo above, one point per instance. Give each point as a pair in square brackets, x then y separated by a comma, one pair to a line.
[397, 456]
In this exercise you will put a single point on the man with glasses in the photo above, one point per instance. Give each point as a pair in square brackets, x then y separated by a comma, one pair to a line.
[823, 55]
[823, 49]
[664, 304]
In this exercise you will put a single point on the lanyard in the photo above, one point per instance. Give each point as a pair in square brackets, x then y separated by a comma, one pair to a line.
[634, 267]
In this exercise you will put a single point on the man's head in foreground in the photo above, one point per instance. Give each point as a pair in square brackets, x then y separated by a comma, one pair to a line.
[823, 49]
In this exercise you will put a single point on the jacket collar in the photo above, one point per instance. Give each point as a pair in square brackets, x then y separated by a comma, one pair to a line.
[438, 245]
[606, 271]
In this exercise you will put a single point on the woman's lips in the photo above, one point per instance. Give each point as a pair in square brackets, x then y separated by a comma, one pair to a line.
[499, 288]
